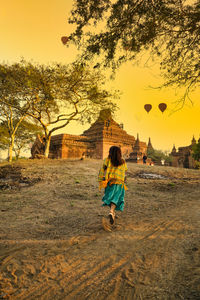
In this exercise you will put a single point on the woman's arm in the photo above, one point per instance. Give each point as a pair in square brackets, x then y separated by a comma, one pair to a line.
[102, 171]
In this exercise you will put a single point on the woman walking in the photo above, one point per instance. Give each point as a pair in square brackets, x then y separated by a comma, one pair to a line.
[111, 177]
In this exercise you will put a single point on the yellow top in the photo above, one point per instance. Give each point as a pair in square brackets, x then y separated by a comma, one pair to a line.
[111, 174]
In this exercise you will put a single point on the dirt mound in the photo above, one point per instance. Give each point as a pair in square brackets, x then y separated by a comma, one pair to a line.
[11, 178]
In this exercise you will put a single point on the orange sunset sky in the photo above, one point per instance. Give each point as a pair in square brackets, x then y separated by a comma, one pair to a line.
[32, 29]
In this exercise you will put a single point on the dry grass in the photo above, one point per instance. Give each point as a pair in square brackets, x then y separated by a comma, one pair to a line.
[53, 246]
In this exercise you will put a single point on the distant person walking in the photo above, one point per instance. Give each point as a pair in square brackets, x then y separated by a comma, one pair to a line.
[111, 177]
[144, 159]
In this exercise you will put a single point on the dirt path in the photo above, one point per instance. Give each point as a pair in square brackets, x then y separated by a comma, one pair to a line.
[52, 245]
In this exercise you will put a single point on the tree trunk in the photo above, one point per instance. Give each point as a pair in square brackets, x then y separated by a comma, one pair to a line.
[10, 150]
[17, 153]
[47, 146]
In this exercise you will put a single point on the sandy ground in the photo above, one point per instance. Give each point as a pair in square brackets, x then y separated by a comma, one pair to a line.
[53, 246]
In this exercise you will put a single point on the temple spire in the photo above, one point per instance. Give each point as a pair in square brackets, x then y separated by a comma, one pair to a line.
[137, 142]
[193, 141]
[174, 149]
[149, 144]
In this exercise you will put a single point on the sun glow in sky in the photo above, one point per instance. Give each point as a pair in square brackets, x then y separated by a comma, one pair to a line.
[32, 29]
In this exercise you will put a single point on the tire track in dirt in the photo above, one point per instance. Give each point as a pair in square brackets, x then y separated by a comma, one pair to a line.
[137, 274]
[41, 289]
[159, 229]
[75, 273]
[101, 273]
[77, 279]
[6, 257]
[95, 277]
[78, 268]
[123, 278]
[155, 230]
[12, 264]
[98, 275]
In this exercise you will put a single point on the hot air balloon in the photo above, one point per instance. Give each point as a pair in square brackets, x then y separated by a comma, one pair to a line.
[148, 107]
[162, 107]
[64, 39]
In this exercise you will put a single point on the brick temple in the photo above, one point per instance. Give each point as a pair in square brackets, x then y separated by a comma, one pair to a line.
[182, 157]
[94, 142]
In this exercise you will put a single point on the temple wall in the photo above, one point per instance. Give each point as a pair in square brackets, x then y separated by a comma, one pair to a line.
[175, 161]
[73, 151]
[191, 162]
[126, 149]
[106, 147]
[98, 152]
[183, 158]
[55, 151]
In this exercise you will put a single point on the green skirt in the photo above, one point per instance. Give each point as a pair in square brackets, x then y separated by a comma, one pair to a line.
[114, 194]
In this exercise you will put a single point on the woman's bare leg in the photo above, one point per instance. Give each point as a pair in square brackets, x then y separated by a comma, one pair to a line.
[112, 208]
[112, 213]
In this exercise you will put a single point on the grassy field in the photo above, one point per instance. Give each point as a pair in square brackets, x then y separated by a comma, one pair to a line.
[53, 245]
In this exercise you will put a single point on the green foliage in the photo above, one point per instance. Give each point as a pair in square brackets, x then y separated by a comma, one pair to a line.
[25, 135]
[12, 94]
[171, 184]
[4, 137]
[168, 29]
[196, 151]
[157, 156]
[53, 95]
[197, 165]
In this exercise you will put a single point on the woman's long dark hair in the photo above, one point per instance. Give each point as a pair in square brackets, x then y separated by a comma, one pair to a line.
[115, 156]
